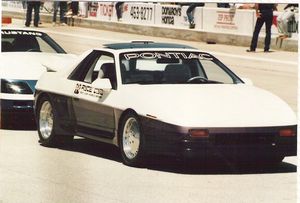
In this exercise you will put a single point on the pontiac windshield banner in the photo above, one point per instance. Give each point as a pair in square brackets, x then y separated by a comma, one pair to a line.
[168, 55]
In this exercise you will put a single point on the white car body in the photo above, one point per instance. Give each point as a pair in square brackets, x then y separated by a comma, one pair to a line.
[168, 113]
[26, 67]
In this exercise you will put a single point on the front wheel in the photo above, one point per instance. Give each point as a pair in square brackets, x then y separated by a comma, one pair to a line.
[46, 121]
[131, 140]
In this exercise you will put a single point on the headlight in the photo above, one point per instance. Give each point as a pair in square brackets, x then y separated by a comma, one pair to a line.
[15, 87]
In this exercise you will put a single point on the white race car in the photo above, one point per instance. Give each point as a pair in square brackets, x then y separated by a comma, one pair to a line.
[147, 97]
[21, 64]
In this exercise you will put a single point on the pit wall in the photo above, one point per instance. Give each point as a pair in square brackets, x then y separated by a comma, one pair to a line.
[218, 25]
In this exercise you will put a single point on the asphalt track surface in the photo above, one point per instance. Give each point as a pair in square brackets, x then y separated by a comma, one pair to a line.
[92, 172]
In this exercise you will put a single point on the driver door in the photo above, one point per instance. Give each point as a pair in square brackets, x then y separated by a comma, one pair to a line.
[92, 117]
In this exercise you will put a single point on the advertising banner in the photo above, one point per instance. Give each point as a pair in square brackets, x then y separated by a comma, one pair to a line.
[106, 11]
[235, 21]
[139, 13]
[169, 15]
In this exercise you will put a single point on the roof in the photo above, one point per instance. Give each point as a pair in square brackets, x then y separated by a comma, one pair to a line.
[145, 44]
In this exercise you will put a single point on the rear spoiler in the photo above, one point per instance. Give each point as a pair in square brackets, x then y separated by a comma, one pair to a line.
[50, 69]
[59, 64]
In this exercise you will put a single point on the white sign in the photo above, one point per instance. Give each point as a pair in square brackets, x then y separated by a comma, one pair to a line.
[138, 13]
[106, 11]
[103, 11]
[169, 15]
[236, 21]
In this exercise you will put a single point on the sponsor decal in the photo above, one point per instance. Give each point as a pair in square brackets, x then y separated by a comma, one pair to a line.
[88, 90]
[106, 9]
[168, 55]
[20, 32]
[141, 13]
[168, 14]
[225, 20]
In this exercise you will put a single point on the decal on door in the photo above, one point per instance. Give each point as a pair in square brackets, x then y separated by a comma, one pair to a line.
[88, 90]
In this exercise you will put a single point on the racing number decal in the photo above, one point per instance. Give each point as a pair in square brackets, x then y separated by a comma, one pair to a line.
[88, 90]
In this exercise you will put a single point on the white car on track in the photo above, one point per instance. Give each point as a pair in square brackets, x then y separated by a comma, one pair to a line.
[161, 98]
[23, 53]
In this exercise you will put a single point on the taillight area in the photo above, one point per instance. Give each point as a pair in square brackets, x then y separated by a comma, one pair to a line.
[199, 133]
[287, 132]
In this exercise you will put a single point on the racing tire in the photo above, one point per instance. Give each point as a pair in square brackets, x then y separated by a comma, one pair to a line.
[131, 140]
[46, 123]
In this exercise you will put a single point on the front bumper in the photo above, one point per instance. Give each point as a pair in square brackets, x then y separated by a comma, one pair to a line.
[233, 143]
[17, 112]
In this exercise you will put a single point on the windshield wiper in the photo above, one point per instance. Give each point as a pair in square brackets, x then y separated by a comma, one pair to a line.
[204, 82]
[141, 82]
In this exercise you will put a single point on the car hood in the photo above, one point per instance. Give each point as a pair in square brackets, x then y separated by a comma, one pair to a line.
[29, 65]
[208, 105]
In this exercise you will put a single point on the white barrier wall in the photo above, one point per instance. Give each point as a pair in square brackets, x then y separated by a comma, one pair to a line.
[217, 20]
[12, 5]
[83, 9]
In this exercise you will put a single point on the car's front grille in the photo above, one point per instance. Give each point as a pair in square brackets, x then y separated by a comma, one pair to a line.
[244, 138]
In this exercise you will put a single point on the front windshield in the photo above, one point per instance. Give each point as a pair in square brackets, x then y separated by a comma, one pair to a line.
[28, 41]
[174, 68]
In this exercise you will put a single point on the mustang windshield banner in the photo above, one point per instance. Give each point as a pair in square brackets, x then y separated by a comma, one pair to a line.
[20, 32]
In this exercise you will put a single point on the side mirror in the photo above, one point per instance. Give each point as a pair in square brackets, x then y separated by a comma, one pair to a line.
[102, 83]
[247, 81]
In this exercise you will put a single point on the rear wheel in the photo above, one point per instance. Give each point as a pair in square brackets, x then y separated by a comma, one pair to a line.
[131, 140]
[46, 122]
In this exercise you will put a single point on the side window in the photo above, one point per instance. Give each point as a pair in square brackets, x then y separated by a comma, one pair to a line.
[96, 69]
[214, 72]
[96, 65]
[44, 47]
